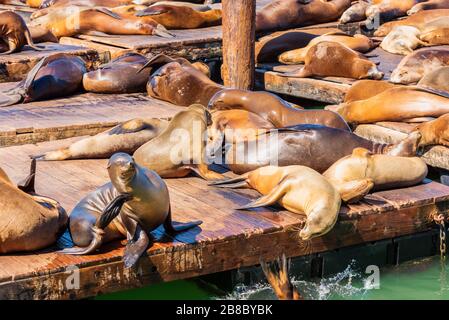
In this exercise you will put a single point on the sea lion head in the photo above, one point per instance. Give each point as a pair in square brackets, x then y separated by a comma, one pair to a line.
[435, 37]
[317, 224]
[159, 83]
[121, 169]
[366, 69]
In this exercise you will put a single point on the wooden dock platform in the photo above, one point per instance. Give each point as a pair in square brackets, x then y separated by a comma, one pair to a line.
[228, 239]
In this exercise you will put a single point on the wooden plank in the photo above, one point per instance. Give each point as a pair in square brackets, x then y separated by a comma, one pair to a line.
[228, 239]
[83, 114]
[390, 132]
[15, 67]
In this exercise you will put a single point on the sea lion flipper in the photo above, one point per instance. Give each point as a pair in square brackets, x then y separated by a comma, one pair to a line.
[237, 182]
[30, 41]
[32, 74]
[202, 170]
[356, 190]
[152, 11]
[27, 185]
[162, 32]
[136, 247]
[277, 276]
[108, 12]
[159, 59]
[112, 210]
[269, 199]
[361, 152]
[94, 244]
[11, 99]
[171, 229]
[131, 126]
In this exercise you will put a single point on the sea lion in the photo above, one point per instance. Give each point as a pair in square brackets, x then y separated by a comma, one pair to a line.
[388, 10]
[298, 189]
[326, 59]
[181, 83]
[417, 20]
[314, 146]
[179, 149]
[435, 132]
[429, 5]
[277, 276]
[286, 14]
[58, 75]
[34, 3]
[357, 42]
[436, 81]
[436, 32]
[415, 65]
[402, 40]
[14, 32]
[356, 175]
[395, 104]
[28, 221]
[364, 89]
[273, 109]
[126, 137]
[141, 200]
[181, 17]
[71, 21]
[121, 75]
[357, 12]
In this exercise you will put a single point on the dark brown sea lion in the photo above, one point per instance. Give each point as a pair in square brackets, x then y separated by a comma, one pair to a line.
[27, 221]
[358, 42]
[140, 199]
[314, 146]
[14, 32]
[327, 59]
[126, 137]
[357, 12]
[269, 46]
[274, 109]
[121, 75]
[181, 83]
[298, 189]
[435, 132]
[415, 65]
[278, 278]
[395, 104]
[417, 20]
[436, 81]
[356, 175]
[364, 89]
[285, 14]
[429, 5]
[58, 75]
[71, 21]
[179, 149]
[181, 17]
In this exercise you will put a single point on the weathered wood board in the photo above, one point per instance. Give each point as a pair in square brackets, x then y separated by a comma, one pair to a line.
[83, 114]
[329, 89]
[15, 67]
[22, 10]
[228, 238]
[393, 132]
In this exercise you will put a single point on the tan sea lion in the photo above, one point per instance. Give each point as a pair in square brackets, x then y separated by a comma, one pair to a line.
[121, 75]
[436, 81]
[313, 146]
[14, 32]
[436, 32]
[298, 189]
[402, 40]
[285, 14]
[273, 109]
[179, 149]
[34, 3]
[181, 17]
[268, 47]
[28, 221]
[181, 83]
[278, 278]
[395, 104]
[417, 20]
[429, 5]
[364, 89]
[58, 75]
[415, 65]
[434, 132]
[71, 21]
[388, 10]
[356, 175]
[357, 12]
[126, 137]
[326, 59]
[357, 42]
[133, 204]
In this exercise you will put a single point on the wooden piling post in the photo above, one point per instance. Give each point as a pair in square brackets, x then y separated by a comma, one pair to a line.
[239, 18]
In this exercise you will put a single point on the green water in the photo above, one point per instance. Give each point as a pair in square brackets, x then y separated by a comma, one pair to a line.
[419, 279]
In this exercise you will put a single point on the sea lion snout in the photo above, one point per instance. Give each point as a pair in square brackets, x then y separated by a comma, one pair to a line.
[375, 74]
[121, 160]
